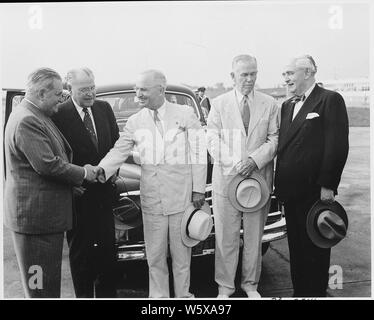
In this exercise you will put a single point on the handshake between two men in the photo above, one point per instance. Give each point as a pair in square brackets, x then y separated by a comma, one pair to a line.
[94, 174]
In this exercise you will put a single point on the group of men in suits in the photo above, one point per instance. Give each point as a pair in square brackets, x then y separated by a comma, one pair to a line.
[246, 131]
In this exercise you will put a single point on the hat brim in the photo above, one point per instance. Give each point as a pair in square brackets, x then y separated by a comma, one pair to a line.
[189, 242]
[311, 223]
[233, 185]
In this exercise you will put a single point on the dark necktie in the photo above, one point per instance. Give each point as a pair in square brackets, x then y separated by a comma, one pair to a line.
[89, 126]
[245, 113]
[158, 122]
[293, 101]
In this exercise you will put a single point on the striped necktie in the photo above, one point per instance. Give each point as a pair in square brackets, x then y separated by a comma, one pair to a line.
[158, 122]
[87, 120]
[245, 113]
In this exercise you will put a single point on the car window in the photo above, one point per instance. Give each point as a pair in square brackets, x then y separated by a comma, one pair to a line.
[124, 104]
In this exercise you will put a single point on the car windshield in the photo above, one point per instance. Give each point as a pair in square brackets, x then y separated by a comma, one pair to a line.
[124, 104]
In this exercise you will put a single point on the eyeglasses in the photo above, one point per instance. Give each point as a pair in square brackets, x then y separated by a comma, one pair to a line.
[87, 89]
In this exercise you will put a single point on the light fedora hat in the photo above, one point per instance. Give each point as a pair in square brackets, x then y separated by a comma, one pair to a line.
[326, 224]
[248, 194]
[196, 224]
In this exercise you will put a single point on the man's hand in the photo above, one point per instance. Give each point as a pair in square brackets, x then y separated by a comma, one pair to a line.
[327, 195]
[78, 191]
[91, 173]
[246, 167]
[198, 199]
[101, 175]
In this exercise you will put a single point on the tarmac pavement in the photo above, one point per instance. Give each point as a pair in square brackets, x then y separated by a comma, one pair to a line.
[351, 258]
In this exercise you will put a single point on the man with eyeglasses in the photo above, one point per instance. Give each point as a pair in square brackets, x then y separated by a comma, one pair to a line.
[90, 127]
[172, 152]
[312, 151]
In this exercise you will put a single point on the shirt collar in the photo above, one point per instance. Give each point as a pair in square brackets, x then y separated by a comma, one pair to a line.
[161, 111]
[240, 96]
[29, 101]
[309, 91]
[77, 106]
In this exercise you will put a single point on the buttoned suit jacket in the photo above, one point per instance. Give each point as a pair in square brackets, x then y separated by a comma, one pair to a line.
[39, 175]
[98, 198]
[312, 149]
[172, 165]
[228, 143]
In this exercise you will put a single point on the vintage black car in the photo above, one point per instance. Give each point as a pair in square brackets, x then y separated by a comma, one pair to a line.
[127, 210]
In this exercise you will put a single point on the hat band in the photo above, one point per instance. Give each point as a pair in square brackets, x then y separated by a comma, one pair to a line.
[189, 220]
[339, 230]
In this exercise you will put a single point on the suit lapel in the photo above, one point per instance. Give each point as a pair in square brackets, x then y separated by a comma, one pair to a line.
[78, 125]
[257, 109]
[98, 118]
[65, 146]
[295, 125]
[233, 112]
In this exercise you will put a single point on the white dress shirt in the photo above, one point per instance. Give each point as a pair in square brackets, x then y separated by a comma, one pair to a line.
[81, 113]
[239, 98]
[299, 104]
[161, 114]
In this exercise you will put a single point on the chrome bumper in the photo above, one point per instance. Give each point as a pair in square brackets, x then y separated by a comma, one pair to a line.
[272, 232]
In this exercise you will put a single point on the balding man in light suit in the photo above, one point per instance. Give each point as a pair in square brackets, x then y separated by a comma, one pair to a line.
[39, 185]
[242, 138]
[172, 152]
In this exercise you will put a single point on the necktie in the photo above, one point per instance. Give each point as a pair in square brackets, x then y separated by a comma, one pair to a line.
[158, 122]
[245, 113]
[89, 126]
[294, 100]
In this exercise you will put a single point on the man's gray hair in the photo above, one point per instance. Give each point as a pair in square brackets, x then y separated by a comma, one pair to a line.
[157, 76]
[41, 78]
[244, 58]
[308, 62]
[72, 74]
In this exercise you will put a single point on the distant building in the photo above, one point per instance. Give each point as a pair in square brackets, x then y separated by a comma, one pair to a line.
[355, 91]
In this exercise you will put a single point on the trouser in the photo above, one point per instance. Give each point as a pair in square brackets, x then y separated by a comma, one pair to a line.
[227, 223]
[159, 230]
[39, 259]
[92, 258]
[309, 263]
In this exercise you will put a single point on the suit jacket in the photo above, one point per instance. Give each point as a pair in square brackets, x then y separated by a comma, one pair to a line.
[313, 148]
[172, 165]
[205, 103]
[39, 175]
[228, 143]
[71, 125]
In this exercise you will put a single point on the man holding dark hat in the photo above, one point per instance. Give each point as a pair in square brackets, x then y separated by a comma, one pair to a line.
[312, 151]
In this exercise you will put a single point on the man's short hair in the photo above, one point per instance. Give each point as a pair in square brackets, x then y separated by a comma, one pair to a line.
[244, 58]
[308, 62]
[72, 74]
[157, 76]
[202, 89]
[41, 78]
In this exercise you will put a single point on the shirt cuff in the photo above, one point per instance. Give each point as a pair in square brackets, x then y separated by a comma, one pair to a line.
[85, 173]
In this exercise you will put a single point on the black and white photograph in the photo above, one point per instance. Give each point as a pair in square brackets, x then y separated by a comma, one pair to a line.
[186, 150]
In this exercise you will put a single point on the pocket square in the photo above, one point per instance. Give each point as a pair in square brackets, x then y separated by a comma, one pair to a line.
[312, 115]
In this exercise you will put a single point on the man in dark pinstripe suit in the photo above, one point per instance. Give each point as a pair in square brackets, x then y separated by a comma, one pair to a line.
[39, 183]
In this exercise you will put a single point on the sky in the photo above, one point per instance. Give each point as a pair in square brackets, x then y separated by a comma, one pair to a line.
[191, 42]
